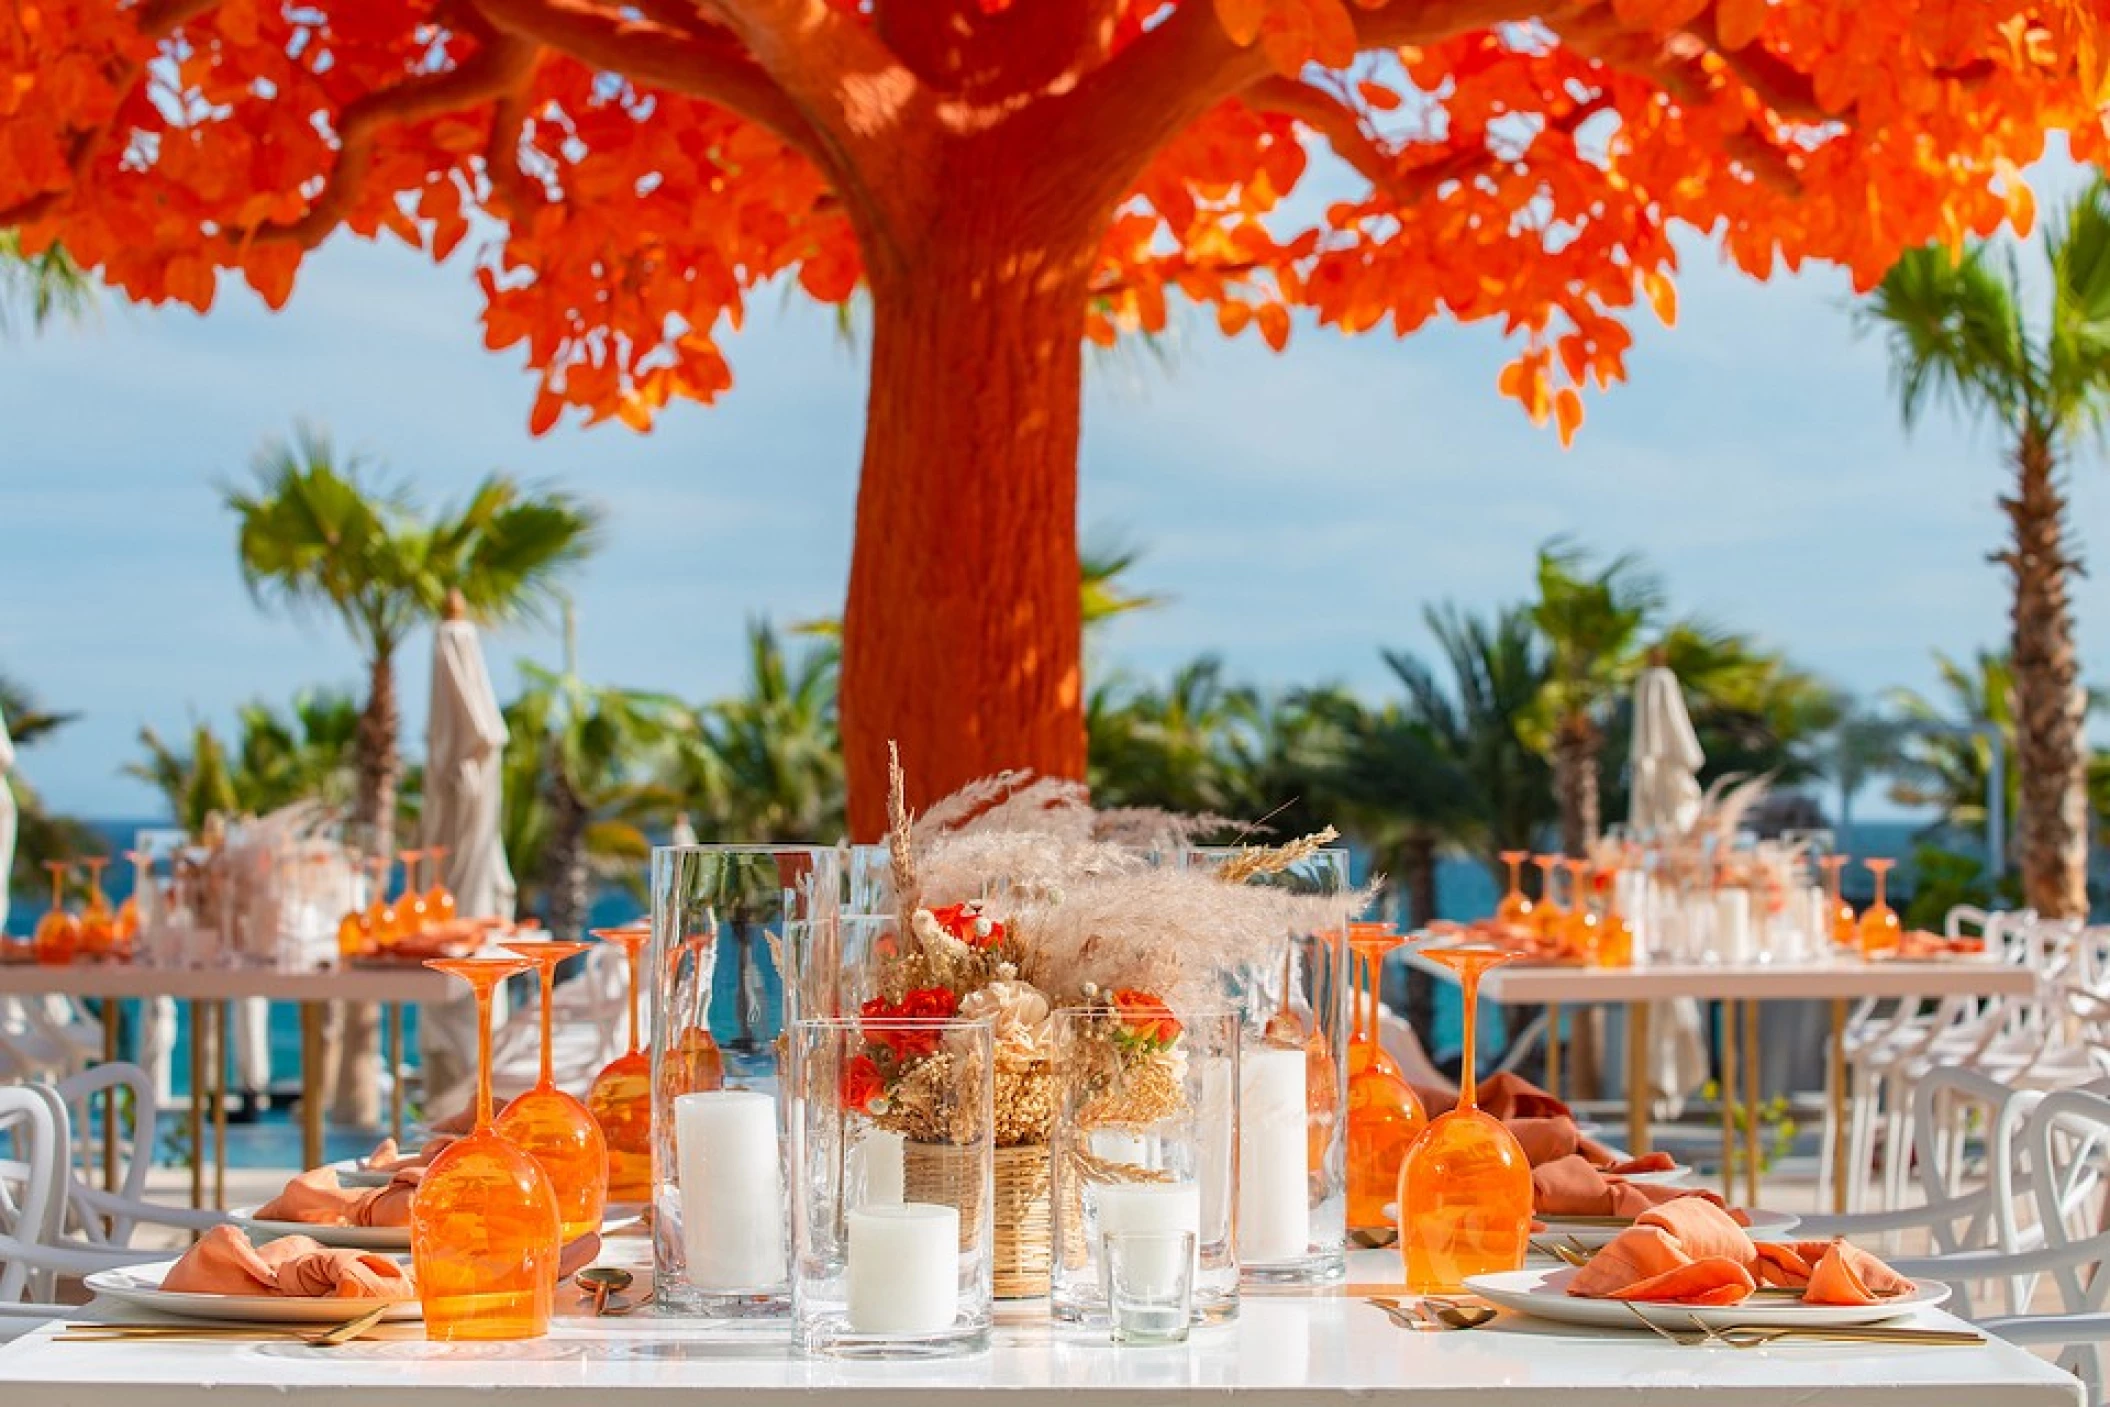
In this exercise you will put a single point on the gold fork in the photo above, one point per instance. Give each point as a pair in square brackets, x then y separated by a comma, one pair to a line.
[326, 1338]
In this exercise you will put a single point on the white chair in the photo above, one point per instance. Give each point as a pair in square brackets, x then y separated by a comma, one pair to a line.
[2069, 1155]
[97, 1217]
[31, 1187]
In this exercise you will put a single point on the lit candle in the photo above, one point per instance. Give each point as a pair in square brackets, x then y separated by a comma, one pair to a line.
[878, 1169]
[903, 1268]
[1274, 1199]
[1128, 1208]
[732, 1189]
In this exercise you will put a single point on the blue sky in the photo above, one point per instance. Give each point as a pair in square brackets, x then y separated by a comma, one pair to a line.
[1298, 509]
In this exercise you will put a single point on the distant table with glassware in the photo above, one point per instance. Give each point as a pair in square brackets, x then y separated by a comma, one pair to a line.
[1323, 1349]
[1740, 990]
[208, 990]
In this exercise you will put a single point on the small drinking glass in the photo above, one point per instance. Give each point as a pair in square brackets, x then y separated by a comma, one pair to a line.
[58, 933]
[1548, 916]
[1516, 906]
[1880, 928]
[1149, 1285]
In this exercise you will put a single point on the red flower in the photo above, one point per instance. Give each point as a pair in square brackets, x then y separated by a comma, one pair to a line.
[923, 1004]
[1145, 1018]
[862, 1084]
[966, 923]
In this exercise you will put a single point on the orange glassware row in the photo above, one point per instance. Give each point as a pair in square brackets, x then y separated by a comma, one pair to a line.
[1465, 1185]
[97, 931]
[621, 1097]
[1384, 1114]
[385, 922]
[485, 1231]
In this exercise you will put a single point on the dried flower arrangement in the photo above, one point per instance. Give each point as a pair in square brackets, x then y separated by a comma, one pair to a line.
[1078, 912]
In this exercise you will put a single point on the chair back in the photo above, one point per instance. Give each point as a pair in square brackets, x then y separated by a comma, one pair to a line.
[32, 1197]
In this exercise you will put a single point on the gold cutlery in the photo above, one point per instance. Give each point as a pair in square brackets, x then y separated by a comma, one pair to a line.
[163, 1333]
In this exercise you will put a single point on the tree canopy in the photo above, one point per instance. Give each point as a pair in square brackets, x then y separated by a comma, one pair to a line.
[654, 161]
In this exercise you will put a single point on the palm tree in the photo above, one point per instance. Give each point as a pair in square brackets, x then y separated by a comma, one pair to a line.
[1497, 670]
[580, 793]
[40, 834]
[277, 759]
[766, 765]
[1958, 334]
[317, 535]
[1594, 625]
[1861, 745]
[1185, 747]
[1945, 760]
[43, 287]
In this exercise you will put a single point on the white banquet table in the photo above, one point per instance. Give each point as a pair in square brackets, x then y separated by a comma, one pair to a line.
[1284, 1351]
[208, 990]
[1835, 980]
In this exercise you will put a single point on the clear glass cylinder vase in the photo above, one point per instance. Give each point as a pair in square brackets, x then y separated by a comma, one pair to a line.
[722, 917]
[893, 1186]
[1145, 1142]
[1295, 1019]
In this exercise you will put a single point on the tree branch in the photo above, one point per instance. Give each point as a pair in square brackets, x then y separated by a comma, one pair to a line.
[1388, 169]
[511, 188]
[501, 66]
[685, 62]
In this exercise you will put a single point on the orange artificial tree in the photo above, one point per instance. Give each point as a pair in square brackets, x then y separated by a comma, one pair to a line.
[1010, 179]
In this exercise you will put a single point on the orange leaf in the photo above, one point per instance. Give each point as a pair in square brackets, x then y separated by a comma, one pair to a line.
[1738, 22]
[1241, 19]
[547, 408]
[1274, 324]
[1333, 33]
[1231, 318]
[1378, 96]
[1662, 296]
[1567, 414]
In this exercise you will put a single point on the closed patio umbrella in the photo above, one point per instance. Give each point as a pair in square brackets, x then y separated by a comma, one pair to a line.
[1664, 796]
[465, 733]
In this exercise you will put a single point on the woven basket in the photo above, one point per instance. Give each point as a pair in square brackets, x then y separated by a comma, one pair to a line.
[935, 1172]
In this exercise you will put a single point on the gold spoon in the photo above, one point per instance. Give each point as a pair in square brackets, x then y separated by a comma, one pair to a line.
[601, 1281]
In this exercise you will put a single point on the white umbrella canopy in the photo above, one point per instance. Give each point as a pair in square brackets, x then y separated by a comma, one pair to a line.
[465, 734]
[1664, 795]
[1665, 755]
[7, 817]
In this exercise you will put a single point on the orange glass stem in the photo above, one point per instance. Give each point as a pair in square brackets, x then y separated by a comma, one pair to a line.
[1468, 1081]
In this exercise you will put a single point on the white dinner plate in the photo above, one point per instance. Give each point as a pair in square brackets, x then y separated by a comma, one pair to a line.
[1543, 1294]
[1669, 1177]
[351, 1174]
[140, 1287]
[351, 1238]
[1765, 1226]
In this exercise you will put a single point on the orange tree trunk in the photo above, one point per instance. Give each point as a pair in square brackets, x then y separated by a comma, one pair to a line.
[961, 635]
[2049, 705]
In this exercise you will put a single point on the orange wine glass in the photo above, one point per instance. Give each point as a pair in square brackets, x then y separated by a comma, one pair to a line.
[128, 912]
[694, 1064]
[1465, 1185]
[621, 1097]
[1579, 933]
[1548, 917]
[382, 921]
[1614, 946]
[556, 1128]
[1880, 929]
[1845, 929]
[1515, 908]
[1384, 1114]
[439, 899]
[484, 1229]
[98, 920]
[58, 933]
[411, 914]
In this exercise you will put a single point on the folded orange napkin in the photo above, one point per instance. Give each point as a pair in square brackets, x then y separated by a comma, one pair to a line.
[1505, 1096]
[315, 1198]
[389, 1158]
[1571, 1187]
[1690, 1251]
[1830, 1272]
[225, 1263]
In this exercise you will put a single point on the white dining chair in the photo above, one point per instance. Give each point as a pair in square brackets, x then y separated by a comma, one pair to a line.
[98, 1217]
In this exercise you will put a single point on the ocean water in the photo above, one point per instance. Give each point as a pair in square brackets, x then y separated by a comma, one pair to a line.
[1464, 890]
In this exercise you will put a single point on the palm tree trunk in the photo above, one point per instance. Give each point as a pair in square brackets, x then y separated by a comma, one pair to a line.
[1576, 744]
[566, 876]
[2051, 828]
[356, 1063]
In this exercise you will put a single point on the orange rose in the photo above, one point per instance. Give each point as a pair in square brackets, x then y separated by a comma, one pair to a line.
[1144, 1018]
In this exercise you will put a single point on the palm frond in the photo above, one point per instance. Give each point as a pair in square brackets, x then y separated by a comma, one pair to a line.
[1955, 335]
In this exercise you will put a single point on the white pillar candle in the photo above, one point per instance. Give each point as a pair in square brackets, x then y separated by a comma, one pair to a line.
[903, 1268]
[1150, 1207]
[1732, 931]
[1116, 1146]
[878, 1167]
[1274, 1198]
[732, 1189]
